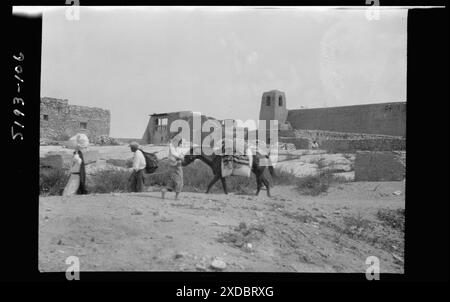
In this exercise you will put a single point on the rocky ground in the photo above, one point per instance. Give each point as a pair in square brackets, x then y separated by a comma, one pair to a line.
[334, 232]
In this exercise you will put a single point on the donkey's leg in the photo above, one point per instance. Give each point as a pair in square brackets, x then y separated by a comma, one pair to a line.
[213, 181]
[224, 185]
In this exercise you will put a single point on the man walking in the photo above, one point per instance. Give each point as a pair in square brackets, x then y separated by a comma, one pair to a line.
[175, 172]
[137, 176]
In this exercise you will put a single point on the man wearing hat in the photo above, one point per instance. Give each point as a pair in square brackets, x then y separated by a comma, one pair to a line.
[137, 176]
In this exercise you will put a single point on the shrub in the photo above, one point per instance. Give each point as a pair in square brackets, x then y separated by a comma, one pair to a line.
[317, 184]
[106, 140]
[63, 137]
[354, 226]
[159, 177]
[52, 181]
[392, 218]
[107, 181]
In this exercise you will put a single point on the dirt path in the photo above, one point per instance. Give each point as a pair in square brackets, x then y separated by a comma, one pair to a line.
[288, 233]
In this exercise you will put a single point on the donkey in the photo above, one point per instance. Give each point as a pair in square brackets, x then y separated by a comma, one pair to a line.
[214, 161]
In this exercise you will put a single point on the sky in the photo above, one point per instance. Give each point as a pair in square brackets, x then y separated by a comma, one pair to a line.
[136, 62]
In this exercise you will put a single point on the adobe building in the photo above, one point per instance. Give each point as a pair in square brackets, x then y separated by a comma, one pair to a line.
[60, 121]
[273, 107]
[158, 127]
[379, 119]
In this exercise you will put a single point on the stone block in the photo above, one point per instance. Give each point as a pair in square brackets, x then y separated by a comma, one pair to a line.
[91, 156]
[379, 166]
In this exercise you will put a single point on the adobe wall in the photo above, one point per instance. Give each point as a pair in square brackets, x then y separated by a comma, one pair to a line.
[273, 107]
[385, 118]
[161, 135]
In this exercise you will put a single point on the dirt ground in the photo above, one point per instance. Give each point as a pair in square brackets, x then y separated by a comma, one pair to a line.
[289, 232]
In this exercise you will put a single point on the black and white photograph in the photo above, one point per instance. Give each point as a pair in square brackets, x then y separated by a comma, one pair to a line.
[223, 139]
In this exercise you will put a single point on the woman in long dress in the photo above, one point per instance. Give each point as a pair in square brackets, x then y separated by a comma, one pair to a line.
[76, 182]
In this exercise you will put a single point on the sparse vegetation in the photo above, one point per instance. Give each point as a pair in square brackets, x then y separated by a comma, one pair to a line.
[355, 226]
[392, 218]
[242, 235]
[284, 178]
[196, 179]
[317, 184]
[360, 229]
[106, 140]
[52, 181]
[107, 181]
[304, 218]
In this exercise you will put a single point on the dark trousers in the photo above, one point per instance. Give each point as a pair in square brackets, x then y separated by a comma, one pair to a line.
[137, 181]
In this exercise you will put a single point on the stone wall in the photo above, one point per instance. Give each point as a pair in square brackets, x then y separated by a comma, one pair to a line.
[97, 121]
[59, 120]
[337, 142]
[379, 166]
[374, 144]
[299, 143]
[53, 113]
[321, 135]
[384, 118]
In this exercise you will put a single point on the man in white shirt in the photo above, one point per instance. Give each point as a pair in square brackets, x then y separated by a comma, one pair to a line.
[137, 176]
